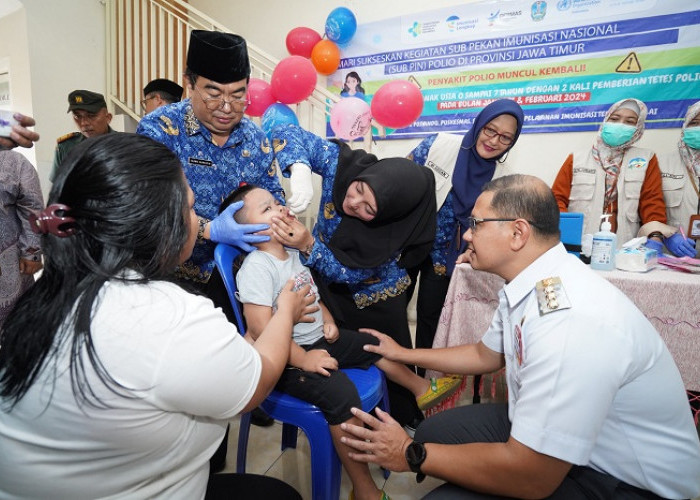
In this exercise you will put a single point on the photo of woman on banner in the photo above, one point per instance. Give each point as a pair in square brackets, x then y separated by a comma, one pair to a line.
[461, 166]
[353, 86]
[614, 177]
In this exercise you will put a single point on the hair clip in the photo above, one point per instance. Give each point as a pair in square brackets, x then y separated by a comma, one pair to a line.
[48, 221]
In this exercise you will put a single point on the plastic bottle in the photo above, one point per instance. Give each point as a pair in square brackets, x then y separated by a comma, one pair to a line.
[604, 247]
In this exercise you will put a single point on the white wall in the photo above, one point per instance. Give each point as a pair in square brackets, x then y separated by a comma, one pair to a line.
[267, 28]
[64, 47]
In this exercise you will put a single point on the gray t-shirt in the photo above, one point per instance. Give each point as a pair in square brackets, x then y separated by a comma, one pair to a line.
[261, 279]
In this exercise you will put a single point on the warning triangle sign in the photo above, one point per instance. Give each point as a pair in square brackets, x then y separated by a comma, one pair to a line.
[413, 80]
[629, 64]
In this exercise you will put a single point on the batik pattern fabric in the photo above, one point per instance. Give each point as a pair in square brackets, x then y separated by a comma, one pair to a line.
[20, 196]
[212, 171]
[446, 220]
[368, 286]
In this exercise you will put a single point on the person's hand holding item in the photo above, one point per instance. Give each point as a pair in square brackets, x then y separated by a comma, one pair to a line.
[655, 245]
[224, 229]
[20, 135]
[301, 187]
[291, 232]
[680, 246]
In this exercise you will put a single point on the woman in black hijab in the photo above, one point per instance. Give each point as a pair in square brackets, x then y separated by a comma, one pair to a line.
[376, 218]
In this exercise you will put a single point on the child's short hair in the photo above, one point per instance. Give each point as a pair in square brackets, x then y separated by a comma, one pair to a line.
[237, 195]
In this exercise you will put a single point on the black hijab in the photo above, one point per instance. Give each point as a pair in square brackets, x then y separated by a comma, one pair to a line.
[405, 220]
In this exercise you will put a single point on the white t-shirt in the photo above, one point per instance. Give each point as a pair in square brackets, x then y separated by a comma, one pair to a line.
[594, 384]
[261, 279]
[186, 370]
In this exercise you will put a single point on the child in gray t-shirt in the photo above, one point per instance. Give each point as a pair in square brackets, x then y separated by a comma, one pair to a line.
[319, 348]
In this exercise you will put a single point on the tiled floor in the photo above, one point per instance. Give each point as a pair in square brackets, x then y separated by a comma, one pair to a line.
[293, 465]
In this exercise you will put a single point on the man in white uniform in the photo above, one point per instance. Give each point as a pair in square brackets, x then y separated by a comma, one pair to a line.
[596, 406]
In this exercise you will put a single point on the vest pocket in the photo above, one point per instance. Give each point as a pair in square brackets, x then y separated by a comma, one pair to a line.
[673, 191]
[582, 188]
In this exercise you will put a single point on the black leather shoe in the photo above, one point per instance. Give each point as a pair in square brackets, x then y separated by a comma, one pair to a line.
[260, 418]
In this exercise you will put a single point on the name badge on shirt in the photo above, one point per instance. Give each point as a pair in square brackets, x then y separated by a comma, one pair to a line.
[200, 161]
[551, 295]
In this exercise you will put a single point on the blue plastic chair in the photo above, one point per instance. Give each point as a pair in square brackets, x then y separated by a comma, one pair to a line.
[295, 413]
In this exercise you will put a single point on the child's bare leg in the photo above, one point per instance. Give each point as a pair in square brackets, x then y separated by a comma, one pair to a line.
[361, 479]
[399, 373]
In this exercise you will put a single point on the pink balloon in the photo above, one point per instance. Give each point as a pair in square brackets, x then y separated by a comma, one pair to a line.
[260, 97]
[350, 118]
[300, 41]
[397, 104]
[293, 79]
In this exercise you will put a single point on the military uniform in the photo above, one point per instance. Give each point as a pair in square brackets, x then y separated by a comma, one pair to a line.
[91, 102]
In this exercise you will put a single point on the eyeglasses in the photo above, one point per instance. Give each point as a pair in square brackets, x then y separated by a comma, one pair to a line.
[145, 101]
[238, 104]
[472, 222]
[489, 132]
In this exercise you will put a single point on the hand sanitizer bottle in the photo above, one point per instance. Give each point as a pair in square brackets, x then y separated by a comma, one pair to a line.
[604, 247]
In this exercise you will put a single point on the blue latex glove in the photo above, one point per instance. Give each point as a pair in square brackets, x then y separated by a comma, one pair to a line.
[655, 245]
[224, 229]
[680, 246]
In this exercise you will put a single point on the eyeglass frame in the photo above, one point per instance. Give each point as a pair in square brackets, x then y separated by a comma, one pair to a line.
[234, 103]
[144, 101]
[494, 133]
[472, 222]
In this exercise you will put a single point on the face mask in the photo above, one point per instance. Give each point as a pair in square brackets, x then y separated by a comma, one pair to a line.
[616, 134]
[691, 136]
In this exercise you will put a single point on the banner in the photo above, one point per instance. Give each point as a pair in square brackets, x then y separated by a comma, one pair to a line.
[564, 61]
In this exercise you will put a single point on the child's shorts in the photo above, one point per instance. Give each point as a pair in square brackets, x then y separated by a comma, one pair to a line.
[334, 395]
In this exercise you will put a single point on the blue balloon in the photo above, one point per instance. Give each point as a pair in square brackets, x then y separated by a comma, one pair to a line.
[275, 115]
[341, 25]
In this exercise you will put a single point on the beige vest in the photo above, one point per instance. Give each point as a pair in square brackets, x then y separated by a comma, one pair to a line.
[588, 191]
[442, 159]
[679, 194]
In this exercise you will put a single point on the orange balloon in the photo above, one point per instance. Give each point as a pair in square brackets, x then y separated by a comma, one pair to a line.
[325, 57]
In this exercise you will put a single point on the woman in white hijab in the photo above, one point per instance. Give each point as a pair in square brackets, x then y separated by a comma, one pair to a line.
[617, 178]
[680, 172]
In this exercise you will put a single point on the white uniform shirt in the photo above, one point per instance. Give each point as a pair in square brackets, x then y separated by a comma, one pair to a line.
[594, 384]
[188, 371]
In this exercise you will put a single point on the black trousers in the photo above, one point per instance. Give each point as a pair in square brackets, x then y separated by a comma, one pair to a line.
[248, 487]
[390, 317]
[432, 290]
[488, 423]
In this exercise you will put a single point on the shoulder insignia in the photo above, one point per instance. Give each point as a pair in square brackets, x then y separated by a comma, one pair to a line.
[279, 144]
[329, 210]
[265, 146]
[167, 126]
[551, 295]
[64, 138]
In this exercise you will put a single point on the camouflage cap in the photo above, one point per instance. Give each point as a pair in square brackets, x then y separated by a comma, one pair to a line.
[87, 100]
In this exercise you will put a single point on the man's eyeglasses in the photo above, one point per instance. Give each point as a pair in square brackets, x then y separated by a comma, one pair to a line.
[238, 104]
[472, 222]
[145, 101]
[506, 140]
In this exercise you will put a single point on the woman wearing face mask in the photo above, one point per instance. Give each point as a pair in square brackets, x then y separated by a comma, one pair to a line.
[680, 169]
[614, 177]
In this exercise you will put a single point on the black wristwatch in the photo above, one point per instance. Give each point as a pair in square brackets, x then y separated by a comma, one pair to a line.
[415, 456]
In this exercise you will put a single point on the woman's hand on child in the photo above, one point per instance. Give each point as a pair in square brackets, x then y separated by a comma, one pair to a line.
[301, 302]
[330, 332]
[387, 347]
[319, 361]
[291, 233]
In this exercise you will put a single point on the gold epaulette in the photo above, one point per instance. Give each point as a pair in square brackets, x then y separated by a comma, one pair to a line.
[64, 138]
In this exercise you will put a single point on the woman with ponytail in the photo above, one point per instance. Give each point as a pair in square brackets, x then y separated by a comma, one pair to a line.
[114, 381]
